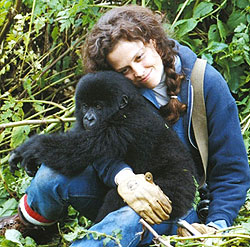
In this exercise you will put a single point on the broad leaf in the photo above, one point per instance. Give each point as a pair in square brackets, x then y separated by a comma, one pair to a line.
[202, 9]
[185, 26]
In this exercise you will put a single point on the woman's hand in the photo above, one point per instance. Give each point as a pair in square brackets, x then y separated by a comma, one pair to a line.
[145, 198]
[203, 229]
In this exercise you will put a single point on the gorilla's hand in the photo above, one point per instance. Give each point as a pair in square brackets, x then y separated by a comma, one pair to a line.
[27, 156]
[27, 163]
[146, 198]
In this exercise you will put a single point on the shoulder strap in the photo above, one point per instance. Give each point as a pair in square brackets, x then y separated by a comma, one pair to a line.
[199, 116]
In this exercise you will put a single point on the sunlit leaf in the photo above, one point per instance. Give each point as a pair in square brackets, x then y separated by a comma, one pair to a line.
[202, 9]
[213, 33]
[235, 19]
[7, 208]
[185, 26]
[19, 134]
[13, 235]
[222, 29]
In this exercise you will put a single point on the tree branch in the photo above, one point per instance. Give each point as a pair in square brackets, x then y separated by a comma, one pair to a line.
[157, 237]
[35, 122]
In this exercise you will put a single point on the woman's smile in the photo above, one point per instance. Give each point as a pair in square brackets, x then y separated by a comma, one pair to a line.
[139, 62]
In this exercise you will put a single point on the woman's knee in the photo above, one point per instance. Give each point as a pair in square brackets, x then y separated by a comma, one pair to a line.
[46, 179]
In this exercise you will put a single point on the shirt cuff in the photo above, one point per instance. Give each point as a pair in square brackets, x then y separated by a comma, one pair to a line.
[218, 224]
[107, 170]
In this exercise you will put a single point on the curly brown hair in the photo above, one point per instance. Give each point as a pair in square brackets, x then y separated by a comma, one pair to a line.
[133, 23]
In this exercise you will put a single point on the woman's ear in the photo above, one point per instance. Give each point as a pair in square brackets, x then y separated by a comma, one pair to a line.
[153, 43]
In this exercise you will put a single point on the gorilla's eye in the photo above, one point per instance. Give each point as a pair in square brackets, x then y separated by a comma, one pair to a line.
[98, 107]
[84, 107]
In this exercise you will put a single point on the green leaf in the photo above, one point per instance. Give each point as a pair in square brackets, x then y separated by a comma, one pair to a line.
[27, 85]
[39, 23]
[202, 9]
[247, 57]
[106, 241]
[246, 227]
[213, 33]
[158, 4]
[234, 80]
[66, 62]
[222, 29]
[7, 114]
[216, 47]
[13, 235]
[247, 108]
[185, 26]
[242, 4]
[38, 107]
[7, 105]
[19, 134]
[29, 242]
[208, 57]
[54, 33]
[248, 19]
[235, 19]
[8, 207]
[95, 235]
[70, 236]
[240, 28]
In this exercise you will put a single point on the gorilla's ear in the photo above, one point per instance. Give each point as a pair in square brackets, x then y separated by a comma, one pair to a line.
[124, 101]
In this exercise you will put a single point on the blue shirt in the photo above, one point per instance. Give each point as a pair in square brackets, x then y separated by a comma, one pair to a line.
[228, 175]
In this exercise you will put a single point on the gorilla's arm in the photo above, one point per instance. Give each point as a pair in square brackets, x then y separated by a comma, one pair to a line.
[68, 153]
[64, 152]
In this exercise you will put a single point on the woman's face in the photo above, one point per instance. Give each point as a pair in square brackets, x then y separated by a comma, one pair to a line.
[140, 63]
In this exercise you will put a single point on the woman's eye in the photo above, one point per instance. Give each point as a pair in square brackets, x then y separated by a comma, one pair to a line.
[138, 58]
[124, 71]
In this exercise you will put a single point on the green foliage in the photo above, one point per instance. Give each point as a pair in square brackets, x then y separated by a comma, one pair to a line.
[40, 64]
[81, 232]
[232, 236]
[219, 31]
[4, 7]
[8, 206]
[224, 42]
[16, 237]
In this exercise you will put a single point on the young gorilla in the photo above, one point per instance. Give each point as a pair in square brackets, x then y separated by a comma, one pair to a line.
[115, 123]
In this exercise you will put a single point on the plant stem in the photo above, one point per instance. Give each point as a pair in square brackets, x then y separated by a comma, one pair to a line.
[36, 122]
[179, 13]
[28, 38]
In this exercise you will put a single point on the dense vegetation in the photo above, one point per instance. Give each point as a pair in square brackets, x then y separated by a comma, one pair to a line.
[40, 64]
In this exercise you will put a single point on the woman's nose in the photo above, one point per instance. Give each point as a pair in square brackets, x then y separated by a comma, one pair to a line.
[138, 70]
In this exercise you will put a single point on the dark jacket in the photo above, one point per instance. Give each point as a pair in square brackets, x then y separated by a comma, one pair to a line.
[228, 175]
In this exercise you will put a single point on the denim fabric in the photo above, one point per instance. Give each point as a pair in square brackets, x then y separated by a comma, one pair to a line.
[51, 193]
[127, 221]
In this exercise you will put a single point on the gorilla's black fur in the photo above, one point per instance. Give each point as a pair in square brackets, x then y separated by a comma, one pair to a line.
[121, 126]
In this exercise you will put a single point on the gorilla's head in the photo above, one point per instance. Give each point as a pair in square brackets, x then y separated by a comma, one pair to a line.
[100, 95]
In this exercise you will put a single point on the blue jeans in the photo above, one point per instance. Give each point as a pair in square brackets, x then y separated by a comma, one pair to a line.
[51, 193]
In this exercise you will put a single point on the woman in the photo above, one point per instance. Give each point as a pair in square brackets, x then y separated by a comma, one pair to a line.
[132, 41]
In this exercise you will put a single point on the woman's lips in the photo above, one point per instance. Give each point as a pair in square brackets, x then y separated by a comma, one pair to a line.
[146, 77]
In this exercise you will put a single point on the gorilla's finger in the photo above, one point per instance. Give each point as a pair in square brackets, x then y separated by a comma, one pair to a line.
[30, 166]
[14, 159]
[31, 173]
